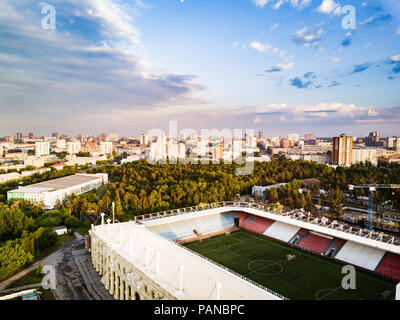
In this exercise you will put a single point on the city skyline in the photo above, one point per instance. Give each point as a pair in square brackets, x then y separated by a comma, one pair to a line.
[119, 66]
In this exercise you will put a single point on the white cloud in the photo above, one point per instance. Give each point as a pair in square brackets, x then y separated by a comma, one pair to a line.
[260, 3]
[278, 4]
[398, 30]
[274, 26]
[308, 37]
[395, 58]
[329, 7]
[281, 67]
[300, 4]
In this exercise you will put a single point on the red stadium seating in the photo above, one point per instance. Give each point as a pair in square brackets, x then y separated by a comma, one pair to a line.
[338, 242]
[390, 265]
[302, 232]
[315, 243]
[243, 216]
[259, 224]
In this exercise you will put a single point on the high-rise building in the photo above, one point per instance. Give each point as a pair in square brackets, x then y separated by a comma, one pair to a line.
[106, 147]
[19, 136]
[373, 139]
[342, 150]
[30, 135]
[260, 134]
[61, 144]
[73, 147]
[293, 137]
[144, 139]
[365, 155]
[392, 142]
[42, 148]
[113, 137]
[309, 136]
[102, 137]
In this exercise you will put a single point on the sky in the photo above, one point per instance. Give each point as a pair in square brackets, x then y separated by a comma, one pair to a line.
[128, 66]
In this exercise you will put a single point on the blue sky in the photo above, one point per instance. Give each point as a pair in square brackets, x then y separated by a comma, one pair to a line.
[129, 66]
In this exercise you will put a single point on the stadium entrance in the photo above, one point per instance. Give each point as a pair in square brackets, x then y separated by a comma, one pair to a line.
[236, 220]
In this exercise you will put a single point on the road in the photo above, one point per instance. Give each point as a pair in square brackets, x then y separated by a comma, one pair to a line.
[75, 275]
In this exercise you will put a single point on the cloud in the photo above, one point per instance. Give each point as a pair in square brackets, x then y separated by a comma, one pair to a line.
[300, 84]
[310, 75]
[280, 67]
[361, 68]
[320, 113]
[307, 37]
[274, 26]
[395, 58]
[376, 19]
[95, 66]
[397, 30]
[276, 4]
[334, 84]
[300, 4]
[267, 49]
[260, 3]
[329, 7]
[346, 42]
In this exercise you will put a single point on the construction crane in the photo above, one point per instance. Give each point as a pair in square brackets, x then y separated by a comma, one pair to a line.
[372, 188]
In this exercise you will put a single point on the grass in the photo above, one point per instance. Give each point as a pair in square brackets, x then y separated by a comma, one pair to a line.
[33, 278]
[307, 277]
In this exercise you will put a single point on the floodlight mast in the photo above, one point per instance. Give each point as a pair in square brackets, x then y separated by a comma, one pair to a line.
[372, 188]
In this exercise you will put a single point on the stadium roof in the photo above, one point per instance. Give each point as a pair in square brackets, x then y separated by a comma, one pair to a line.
[57, 184]
[200, 275]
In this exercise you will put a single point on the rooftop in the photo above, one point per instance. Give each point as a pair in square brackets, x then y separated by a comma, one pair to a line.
[57, 184]
[199, 276]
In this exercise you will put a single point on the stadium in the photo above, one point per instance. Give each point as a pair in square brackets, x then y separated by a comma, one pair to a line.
[235, 251]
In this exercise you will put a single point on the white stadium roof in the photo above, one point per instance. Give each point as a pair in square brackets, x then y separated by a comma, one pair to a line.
[200, 275]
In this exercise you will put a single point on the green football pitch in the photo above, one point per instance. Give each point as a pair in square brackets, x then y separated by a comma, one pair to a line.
[306, 276]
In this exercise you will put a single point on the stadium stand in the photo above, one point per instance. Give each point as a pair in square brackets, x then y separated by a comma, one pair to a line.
[315, 243]
[360, 255]
[302, 232]
[338, 243]
[194, 227]
[281, 231]
[166, 231]
[390, 265]
[258, 224]
[243, 218]
[297, 238]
